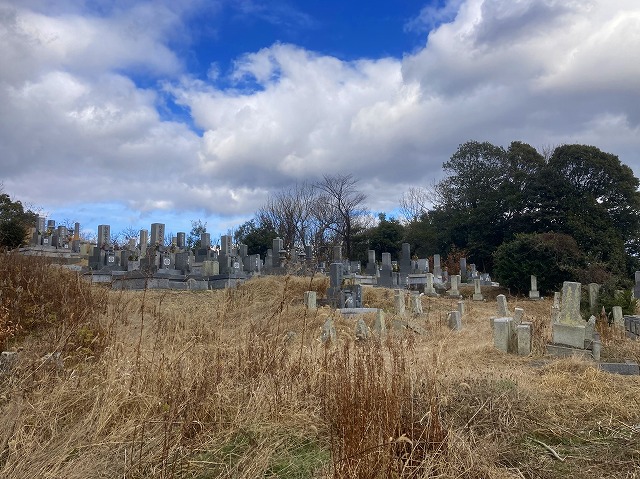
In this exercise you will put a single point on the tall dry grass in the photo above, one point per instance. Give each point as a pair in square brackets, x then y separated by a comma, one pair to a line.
[236, 383]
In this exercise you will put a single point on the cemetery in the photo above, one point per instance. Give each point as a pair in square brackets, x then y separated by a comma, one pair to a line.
[217, 363]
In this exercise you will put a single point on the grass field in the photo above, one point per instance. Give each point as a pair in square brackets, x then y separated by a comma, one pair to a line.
[236, 384]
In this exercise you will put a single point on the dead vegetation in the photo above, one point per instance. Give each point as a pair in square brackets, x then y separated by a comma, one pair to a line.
[235, 383]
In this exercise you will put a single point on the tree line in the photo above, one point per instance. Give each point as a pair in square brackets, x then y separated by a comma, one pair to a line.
[567, 213]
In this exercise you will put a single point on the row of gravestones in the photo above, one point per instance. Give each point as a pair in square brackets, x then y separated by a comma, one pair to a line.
[362, 332]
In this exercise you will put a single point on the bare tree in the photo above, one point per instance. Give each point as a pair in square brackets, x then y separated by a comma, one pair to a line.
[415, 202]
[291, 212]
[342, 205]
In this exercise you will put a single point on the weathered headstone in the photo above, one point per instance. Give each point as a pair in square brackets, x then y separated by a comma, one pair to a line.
[157, 234]
[386, 277]
[454, 320]
[429, 290]
[517, 315]
[618, 319]
[328, 333]
[463, 270]
[104, 236]
[454, 292]
[570, 328]
[362, 330]
[399, 302]
[310, 300]
[477, 294]
[461, 308]
[503, 334]
[523, 332]
[503, 310]
[371, 263]
[416, 303]
[379, 326]
[534, 293]
[437, 269]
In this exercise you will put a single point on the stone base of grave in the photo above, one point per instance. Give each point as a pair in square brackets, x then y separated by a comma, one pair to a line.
[628, 368]
[534, 295]
[351, 312]
[569, 335]
[477, 297]
[562, 351]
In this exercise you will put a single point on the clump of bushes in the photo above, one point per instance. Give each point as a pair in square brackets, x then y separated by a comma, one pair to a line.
[43, 299]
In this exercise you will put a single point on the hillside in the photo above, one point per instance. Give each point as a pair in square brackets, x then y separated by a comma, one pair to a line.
[236, 383]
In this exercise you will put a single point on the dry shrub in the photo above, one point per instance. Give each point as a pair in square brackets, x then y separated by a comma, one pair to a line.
[51, 302]
[383, 421]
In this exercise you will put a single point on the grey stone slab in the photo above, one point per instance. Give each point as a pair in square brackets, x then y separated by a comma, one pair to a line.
[566, 351]
[625, 369]
[569, 335]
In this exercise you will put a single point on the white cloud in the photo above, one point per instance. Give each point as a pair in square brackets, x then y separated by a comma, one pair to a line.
[77, 128]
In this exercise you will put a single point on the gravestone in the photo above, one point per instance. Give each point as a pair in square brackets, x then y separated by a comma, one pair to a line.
[461, 308]
[386, 277]
[362, 331]
[310, 300]
[569, 328]
[423, 265]
[104, 236]
[454, 292]
[335, 285]
[181, 241]
[477, 291]
[328, 333]
[503, 334]
[503, 310]
[276, 252]
[636, 288]
[523, 333]
[379, 326]
[371, 262]
[429, 289]
[157, 234]
[463, 270]
[405, 259]
[144, 239]
[205, 241]
[534, 293]
[416, 303]
[437, 269]
[618, 319]
[399, 302]
[517, 315]
[454, 320]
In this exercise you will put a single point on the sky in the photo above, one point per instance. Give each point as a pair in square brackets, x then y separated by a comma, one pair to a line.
[128, 112]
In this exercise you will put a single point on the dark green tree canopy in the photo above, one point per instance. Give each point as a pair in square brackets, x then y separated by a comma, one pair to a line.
[15, 222]
[491, 194]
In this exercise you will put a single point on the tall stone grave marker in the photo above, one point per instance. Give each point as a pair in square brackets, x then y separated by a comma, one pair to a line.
[534, 293]
[157, 234]
[437, 269]
[104, 236]
[477, 291]
[570, 328]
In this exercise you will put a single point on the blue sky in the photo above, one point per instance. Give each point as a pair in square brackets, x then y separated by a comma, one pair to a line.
[133, 112]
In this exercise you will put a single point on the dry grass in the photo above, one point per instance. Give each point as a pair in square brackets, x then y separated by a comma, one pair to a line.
[236, 383]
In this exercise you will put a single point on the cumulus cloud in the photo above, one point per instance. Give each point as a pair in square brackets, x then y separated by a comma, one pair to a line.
[542, 71]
